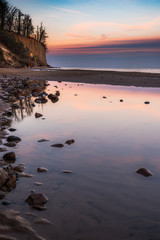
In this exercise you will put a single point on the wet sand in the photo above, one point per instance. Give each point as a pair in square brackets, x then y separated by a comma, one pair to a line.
[88, 76]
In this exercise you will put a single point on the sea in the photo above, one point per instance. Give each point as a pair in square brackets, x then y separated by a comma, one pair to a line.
[137, 61]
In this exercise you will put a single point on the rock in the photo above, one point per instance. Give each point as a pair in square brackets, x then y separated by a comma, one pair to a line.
[13, 222]
[58, 145]
[42, 221]
[10, 144]
[53, 98]
[69, 142]
[43, 140]
[9, 114]
[9, 157]
[33, 105]
[13, 139]
[3, 176]
[104, 97]
[6, 203]
[38, 183]
[145, 172]
[3, 149]
[57, 93]
[2, 194]
[146, 102]
[12, 129]
[41, 100]
[66, 171]
[37, 200]
[121, 100]
[25, 175]
[11, 182]
[42, 169]
[38, 115]
[19, 168]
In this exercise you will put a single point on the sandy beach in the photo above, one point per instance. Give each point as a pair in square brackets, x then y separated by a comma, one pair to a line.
[88, 76]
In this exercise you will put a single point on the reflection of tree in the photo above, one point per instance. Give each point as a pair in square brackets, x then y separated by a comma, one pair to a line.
[25, 107]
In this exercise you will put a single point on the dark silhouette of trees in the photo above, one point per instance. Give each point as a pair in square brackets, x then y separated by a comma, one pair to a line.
[13, 20]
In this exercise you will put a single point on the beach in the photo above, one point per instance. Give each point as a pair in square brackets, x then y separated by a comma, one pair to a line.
[136, 79]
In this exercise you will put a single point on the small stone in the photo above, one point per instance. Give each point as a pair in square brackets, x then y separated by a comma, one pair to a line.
[43, 140]
[42, 169]
[6, 203]
[33, 105]
[69, 142]
[58, 145]
[66, 171]
[9, 157]
[53, 98]
[40, 100]
[36, 199]
[121, 100]
[146, 102]
[10, 144]
[25, 175]
[42, 221]
[145, 172]
[104, 97]
[38, 183]
[12, 129]
[13, 139]
[38, 115]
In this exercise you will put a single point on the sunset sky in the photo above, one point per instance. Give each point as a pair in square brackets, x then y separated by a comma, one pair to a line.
[97, 26]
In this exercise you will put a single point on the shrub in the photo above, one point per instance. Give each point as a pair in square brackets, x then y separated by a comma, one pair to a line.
[13, 45]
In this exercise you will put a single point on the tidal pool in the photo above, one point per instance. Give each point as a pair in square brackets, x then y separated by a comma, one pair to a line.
[103, 198]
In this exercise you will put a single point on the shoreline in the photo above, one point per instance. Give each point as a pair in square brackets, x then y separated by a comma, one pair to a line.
[137, 79]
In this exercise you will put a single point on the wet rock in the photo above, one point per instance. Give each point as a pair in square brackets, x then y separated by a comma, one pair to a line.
[3, 149]
[11, 183]
[9, 157]
[58, 145]
[40, 100]
[13, 139]
[42, 169]
[53, 98]
[33, 105]
[38, 115]
[19, 168]
[11, 221]
[57, 93]
[104, 97]
[3, 176]
[2, 194]
[10, 144]
[37, 200]
[6, 202]
[12, 129]
[121, 100]
[42, 221]
[38, 183]
[145, 172]
[69, 142]
[25, 175]
[66, 171]
[9, 114]
[43, 140]
[146, 102]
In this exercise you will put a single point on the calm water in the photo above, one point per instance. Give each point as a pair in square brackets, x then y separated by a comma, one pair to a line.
[103, 198]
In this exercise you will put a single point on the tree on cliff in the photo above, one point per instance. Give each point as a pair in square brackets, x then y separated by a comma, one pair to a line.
[11, 18]
[41, 34]
[4, 9]
[27, 26]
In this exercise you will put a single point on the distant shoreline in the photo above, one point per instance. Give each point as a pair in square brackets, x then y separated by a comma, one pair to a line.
[137, 79]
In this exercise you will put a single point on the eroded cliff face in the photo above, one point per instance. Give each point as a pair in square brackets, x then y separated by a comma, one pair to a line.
[36, 49]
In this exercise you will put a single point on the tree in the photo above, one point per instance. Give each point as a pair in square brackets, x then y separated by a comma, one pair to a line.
[19, 22]
[4, 9]
[28, 28]
[11, 18]
[41, 34]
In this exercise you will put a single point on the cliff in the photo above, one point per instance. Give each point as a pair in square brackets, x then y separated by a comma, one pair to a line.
[20, 51]
[37, 50]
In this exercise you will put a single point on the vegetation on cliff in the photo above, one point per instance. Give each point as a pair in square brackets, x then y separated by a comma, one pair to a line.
[13, 20]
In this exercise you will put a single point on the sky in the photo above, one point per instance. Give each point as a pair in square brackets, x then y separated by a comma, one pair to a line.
[97, 27]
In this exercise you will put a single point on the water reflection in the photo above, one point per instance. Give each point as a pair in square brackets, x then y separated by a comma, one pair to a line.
[103, 198]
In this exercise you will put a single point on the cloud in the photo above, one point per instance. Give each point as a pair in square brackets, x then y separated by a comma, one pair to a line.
[67, 10]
